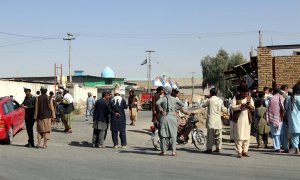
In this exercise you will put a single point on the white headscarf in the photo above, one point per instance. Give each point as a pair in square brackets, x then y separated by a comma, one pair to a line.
[116, 99]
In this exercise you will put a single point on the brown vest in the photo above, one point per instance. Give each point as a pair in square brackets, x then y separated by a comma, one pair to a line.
[44, 110]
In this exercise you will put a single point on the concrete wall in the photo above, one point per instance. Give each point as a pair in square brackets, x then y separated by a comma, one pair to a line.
[16, 89]
[80, 95]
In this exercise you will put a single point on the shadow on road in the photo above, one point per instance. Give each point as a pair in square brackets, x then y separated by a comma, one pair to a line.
[81, 144]
[202, 152]
[227, 140]
[225, 148]
[281, 154]
[57, 130]
[141, 150]
[2, 142]
[144, 131]
[15, 145]
[254, 148]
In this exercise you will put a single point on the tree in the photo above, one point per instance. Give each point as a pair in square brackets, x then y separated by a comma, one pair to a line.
[213, 68]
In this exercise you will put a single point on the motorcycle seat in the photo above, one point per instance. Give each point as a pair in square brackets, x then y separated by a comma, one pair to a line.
[194, 121]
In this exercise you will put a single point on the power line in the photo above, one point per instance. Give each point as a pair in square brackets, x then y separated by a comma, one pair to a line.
[165, 36]
[24, 42]
[28, 36]
[281, 32]
[154, 35]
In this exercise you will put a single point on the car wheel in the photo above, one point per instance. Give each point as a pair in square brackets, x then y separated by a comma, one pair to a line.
[10, 135]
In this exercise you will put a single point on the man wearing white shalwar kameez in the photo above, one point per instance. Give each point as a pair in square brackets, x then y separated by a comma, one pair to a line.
[243, 104]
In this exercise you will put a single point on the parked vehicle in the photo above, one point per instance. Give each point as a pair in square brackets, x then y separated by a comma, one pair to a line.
[12, 117]
[198, 137]
[146, 99]
[147, 105]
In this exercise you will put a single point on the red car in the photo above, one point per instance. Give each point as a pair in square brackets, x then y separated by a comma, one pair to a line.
[12, 117]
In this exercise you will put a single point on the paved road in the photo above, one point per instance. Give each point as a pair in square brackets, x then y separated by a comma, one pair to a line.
[71, 157]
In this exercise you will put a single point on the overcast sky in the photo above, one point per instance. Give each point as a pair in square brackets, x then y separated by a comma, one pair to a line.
[116, 33]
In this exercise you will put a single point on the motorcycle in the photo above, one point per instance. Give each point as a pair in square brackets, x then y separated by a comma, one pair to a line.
[198, 137]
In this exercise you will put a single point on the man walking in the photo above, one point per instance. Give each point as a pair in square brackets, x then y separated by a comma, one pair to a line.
[101, 120]
[90, 103]
[133, 107]
[29, 105]
[214, 123]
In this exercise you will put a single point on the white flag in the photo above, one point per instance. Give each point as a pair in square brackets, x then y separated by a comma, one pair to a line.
[144, 62]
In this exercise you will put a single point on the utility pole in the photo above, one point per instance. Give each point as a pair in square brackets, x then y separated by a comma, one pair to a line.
[57, 73]
[260, 38]
[149, 70]
[69, 39]
[193, 87]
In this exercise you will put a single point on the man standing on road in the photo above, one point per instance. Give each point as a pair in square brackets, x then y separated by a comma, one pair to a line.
[155, 112]
[275, 114]
[242, 107]
[44, 113]
[101, 120]
[118, 119]
[133, 107]
[68, 108]
[90, 103]
[214, 123]
[29, 105]
[167, 106]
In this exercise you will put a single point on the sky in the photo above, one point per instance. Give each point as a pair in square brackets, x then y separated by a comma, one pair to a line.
[116, 33]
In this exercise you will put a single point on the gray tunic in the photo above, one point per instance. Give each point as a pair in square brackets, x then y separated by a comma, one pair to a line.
[168, 122]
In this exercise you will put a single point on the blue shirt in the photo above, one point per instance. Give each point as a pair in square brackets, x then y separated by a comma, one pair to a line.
[293, 114]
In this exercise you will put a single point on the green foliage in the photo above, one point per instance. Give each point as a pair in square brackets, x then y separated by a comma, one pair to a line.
[213, 68]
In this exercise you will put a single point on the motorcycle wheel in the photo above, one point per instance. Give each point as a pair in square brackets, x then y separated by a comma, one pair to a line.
[199, 139]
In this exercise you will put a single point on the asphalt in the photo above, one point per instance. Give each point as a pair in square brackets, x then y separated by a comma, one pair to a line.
[72, 157]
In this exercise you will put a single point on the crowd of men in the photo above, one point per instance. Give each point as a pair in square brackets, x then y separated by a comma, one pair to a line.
[282, 115]
[275, 111]
[44, 110]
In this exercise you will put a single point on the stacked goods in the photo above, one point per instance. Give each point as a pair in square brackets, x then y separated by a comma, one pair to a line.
[201, 116]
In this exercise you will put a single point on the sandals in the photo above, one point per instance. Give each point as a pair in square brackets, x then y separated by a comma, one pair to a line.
[162, 154]
[39, 147]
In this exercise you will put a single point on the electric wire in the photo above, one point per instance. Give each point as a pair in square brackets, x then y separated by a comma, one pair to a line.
[28, 36]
